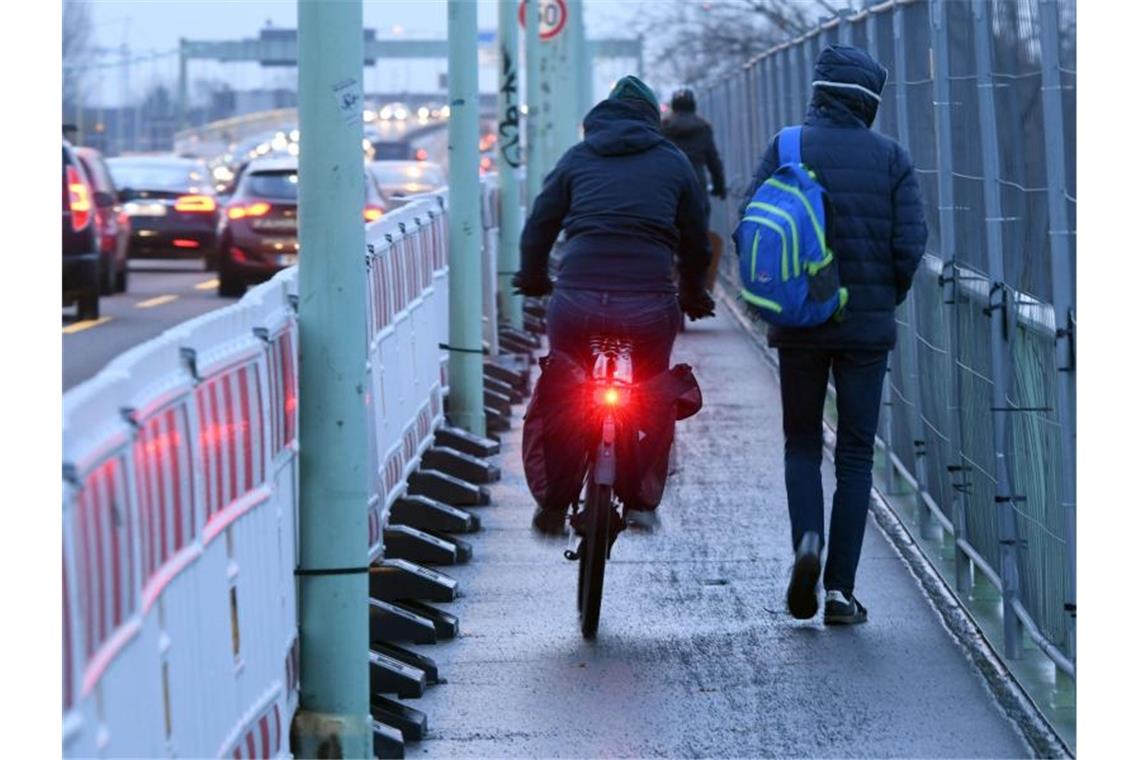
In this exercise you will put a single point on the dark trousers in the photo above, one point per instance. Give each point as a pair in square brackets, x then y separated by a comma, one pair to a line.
[803, 390]
[649, 320]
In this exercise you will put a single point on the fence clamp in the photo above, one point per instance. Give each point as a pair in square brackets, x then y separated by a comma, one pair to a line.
[1069, 331]
[262, 334]
[1000, 303]
[190, 359]
[949, 276]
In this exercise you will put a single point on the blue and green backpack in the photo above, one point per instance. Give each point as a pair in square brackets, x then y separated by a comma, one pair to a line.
[787, 272]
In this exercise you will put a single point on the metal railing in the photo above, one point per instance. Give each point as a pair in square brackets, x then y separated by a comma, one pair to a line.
[980, 403]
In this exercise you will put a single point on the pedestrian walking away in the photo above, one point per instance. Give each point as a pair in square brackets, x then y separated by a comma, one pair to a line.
[876, 230]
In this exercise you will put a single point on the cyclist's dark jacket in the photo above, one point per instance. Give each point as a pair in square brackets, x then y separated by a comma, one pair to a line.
[628, 200]
[876, 226]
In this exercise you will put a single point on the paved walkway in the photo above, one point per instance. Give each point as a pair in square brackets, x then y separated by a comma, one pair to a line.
[695, 656]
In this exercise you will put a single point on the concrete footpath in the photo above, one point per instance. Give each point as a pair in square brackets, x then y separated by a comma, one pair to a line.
[695, 656]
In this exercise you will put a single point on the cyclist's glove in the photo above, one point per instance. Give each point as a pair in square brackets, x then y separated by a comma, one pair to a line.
[534, 285]
[696, 302]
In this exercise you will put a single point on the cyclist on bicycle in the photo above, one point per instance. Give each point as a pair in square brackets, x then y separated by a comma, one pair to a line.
[629, 202]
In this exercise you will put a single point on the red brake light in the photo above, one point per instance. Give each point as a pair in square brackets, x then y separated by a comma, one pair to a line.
[195, 203]
[372, 213]
[185, 243]
[421, 154]
[260, 208]
[79, 198]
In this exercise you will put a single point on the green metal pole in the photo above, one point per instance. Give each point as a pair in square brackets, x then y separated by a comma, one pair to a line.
[464, 224]
[584, 64]
[534, 146]
[334, 719]
[509, 161]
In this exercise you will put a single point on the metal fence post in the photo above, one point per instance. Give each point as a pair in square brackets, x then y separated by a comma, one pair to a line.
[465, 229]
[779, 91]
[509, 161]
[334, 463]
[1001, 318]
[941, 83]
[1063, 263]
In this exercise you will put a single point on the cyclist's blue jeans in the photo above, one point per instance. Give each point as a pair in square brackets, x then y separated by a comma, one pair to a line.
[803, 390]
[649, 320]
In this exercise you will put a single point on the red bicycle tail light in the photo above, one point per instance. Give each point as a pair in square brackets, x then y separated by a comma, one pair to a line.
[197, 203]
[611, 396]
[372, 213]
[79, 198]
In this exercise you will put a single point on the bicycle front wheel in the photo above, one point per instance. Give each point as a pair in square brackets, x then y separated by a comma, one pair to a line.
[592, 554]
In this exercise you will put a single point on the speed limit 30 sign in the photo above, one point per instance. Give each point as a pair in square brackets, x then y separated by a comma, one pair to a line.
[551, 18]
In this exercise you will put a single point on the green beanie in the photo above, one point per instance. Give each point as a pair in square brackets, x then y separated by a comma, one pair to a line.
[631, 88]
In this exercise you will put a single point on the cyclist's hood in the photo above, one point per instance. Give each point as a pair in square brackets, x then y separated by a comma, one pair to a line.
[847, 84]
[619, 126]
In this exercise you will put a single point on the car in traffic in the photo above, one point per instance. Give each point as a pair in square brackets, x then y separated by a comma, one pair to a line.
[257, 234]
[400, 179]
[113, 226]
[172, 206]
[80, 239]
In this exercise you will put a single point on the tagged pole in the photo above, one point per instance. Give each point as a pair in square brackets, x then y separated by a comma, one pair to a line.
[534, 146]
[510, 159]
[334, 719]
[464, 221]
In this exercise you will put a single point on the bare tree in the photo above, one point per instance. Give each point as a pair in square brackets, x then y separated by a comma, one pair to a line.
[76, 50]
[694, 41]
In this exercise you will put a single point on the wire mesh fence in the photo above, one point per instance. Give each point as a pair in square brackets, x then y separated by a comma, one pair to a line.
[981, 407]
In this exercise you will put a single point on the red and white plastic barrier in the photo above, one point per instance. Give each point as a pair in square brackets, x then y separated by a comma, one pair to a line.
[180, 505]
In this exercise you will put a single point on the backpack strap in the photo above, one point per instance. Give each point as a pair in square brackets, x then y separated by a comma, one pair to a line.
[789, 146]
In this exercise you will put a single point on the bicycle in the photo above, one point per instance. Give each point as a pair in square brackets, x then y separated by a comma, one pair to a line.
[600, 519]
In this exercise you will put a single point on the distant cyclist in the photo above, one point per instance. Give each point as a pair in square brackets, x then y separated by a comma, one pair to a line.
[630, 205]
[694, 136]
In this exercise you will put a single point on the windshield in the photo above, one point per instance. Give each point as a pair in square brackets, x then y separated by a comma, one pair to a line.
[280, 184]
[421, 175]
[157, 176]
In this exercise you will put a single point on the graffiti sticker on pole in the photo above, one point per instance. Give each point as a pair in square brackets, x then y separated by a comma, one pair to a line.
[551, 18]
[349, 100]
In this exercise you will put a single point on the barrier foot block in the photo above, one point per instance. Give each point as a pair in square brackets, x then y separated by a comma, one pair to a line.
[516, 346]
[534, 325]
[405, 542]
[387, 741]
[463, 466]
[469, 443]
[502, 387]
[387, 675]
[446, 624]
[513, 368]
[391, 579]
[521, 337]
[431, 515]
[411, 722]
[463, 551]
[387, 622]
[447, 488]
[497, 401]
[496, 421]
[408, 657]
[534, 308]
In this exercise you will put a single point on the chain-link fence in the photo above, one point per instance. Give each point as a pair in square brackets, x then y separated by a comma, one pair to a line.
[981, 402]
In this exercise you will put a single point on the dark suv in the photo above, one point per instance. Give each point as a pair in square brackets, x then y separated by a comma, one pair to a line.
[80, 239]
[257, 235]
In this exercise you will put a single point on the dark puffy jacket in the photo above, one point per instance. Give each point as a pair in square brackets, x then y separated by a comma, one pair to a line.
[628, 200]
[694, 136]
[875, 223]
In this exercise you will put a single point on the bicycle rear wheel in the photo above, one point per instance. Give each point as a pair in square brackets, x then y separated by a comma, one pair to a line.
[592, 555]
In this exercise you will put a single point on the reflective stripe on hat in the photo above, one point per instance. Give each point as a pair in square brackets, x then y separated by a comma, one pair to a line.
[847, 86]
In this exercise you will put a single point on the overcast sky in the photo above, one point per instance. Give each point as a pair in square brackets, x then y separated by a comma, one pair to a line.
[148, 26]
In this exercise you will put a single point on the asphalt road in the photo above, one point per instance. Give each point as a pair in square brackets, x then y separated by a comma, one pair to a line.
[159, 296]
[695, 655]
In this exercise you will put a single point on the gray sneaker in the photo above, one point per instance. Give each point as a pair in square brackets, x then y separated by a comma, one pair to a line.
[843, 609]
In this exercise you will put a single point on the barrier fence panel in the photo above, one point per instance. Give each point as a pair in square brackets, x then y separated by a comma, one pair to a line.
[180, 499]
[980, 415]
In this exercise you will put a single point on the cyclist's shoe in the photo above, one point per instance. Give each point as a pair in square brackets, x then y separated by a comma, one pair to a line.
[803, 600]
[578, 523]
[643, 519]
[843, 609]
[549, 523]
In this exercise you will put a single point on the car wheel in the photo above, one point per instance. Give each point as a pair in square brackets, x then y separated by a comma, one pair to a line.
[88, 304]
[106, 275]
[229, 284]
[121, 278]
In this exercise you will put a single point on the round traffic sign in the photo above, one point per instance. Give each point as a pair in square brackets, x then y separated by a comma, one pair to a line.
[551, 17]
